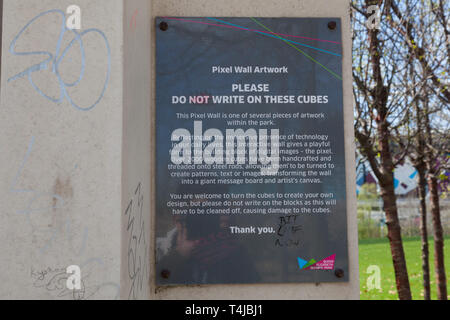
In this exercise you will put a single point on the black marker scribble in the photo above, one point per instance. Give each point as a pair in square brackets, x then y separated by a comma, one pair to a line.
[55, 280]
[288, 232]
[138, 251]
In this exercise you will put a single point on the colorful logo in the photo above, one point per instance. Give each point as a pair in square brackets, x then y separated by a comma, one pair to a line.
[325, 264]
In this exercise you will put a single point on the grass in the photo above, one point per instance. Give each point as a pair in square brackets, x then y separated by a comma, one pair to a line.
[377, 252]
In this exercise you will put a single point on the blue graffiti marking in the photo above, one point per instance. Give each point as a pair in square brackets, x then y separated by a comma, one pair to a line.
[57, 58]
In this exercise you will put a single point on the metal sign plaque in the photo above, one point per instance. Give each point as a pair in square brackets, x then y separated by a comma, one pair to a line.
[250, 161]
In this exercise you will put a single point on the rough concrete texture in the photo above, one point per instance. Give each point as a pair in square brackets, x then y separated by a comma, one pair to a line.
[288, 8]
[66, 178]
[136, 152]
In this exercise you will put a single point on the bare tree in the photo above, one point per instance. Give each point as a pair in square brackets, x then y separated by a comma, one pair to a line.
[434, 152]
[425, 55]
[380, 108]
[417, 157]
[423, 28]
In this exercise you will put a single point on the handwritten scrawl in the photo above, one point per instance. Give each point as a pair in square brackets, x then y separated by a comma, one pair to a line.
[55, 59]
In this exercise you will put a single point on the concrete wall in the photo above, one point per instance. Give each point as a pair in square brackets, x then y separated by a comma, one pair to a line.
[76, 186]
[288, 8]
[73, 155]
[136, 152]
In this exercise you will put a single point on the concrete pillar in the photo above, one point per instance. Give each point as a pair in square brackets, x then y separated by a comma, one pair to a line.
[75, 140]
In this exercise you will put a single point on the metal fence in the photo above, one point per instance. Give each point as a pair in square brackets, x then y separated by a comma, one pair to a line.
[372, 223]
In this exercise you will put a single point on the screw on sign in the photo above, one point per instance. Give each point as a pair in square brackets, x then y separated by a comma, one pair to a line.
[163, 26]
[165, 274]
[332, 25]
[339, 273]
